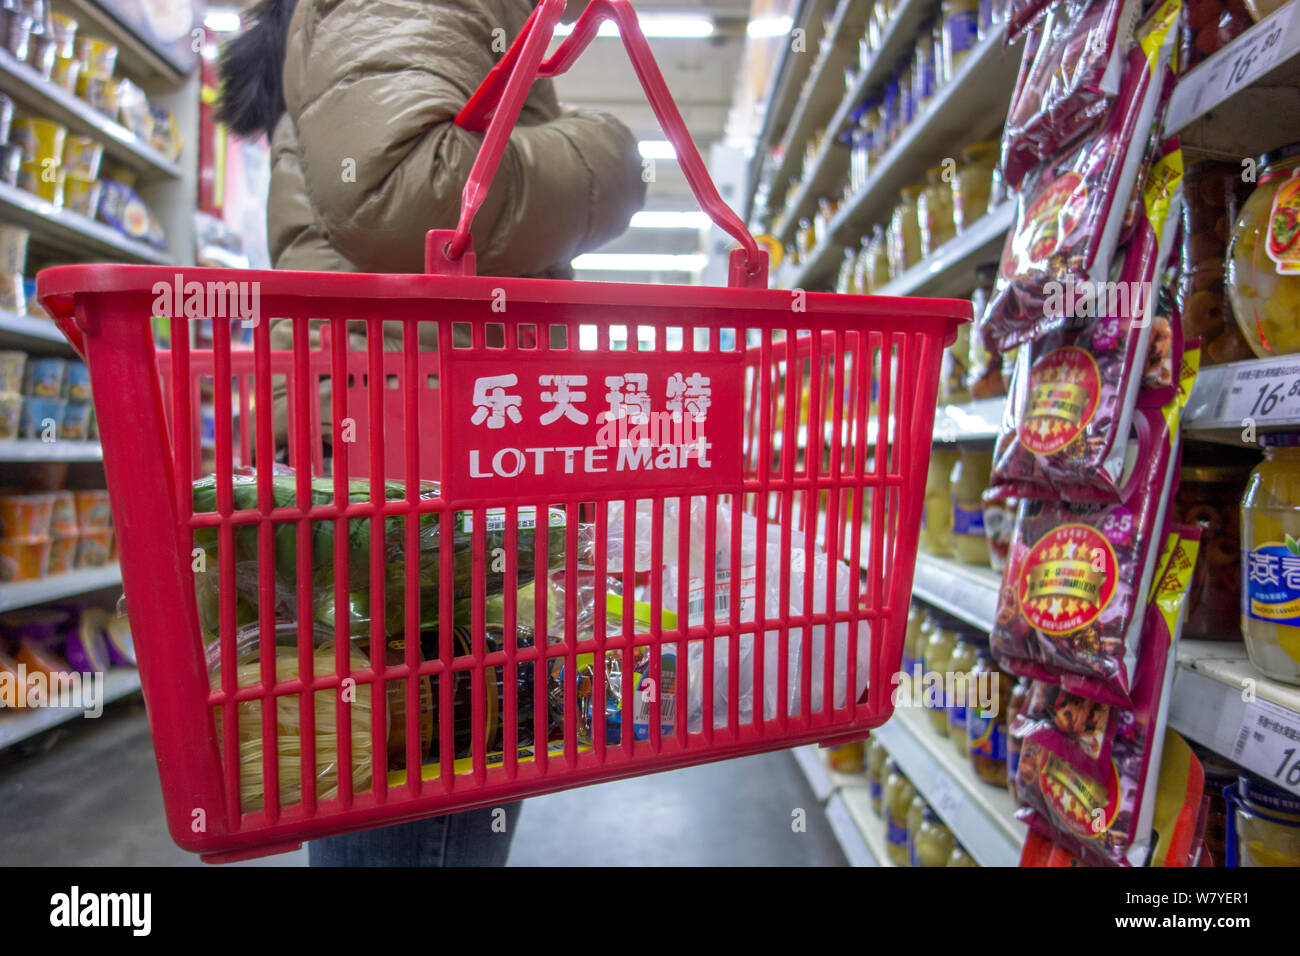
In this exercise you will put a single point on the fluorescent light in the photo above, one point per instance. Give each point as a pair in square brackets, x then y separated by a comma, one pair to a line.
[671, 27]
[652, 219]
[222, 21]
[640, 262]
[762, 27]
[656, 149]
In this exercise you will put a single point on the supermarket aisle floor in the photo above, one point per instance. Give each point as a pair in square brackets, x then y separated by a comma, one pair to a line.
[87, 794]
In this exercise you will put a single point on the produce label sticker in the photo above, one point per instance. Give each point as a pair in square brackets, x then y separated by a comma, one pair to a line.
[1268, 742]
[530, 424]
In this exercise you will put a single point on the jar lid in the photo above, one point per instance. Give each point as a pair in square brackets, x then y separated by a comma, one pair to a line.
[1214, 473]
[1279, 154]
[1266, 796]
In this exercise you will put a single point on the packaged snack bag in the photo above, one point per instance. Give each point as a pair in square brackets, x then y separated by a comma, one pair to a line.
[1070, 74]
[1106, 818]
[1071, 208]
[1024, 16]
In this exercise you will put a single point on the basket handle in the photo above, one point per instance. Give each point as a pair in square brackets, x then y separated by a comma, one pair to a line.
[502, 95]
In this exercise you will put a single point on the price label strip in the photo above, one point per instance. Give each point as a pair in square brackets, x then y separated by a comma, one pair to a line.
[1268, 742]
[1266, 393]
[946, 796]
[1260, 49]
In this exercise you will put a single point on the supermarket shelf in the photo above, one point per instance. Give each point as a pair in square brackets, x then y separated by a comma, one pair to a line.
[58, 586]
[41, 96]
[26, 449]
[1242, 77]
[981, 816]
[965, 591]
[870, 828]
[852, 838]
[846, 799]
[981, 88]
[28, 723]
[65, 229]
[972, 421]
[32, 334]
[950, 271]
[136, 57]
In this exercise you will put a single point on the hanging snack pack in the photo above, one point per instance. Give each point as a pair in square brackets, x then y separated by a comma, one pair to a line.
[1023, 16]
[1071, 208]
[1102, 810]
[1073, 67]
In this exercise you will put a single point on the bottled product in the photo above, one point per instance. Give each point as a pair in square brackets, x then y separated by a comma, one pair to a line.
[1270, 526]
[918, 629]
[1263, 279]
[1266, 823]
[845, 280]
[906, 104]
[1019, 694]
[1213, 193]
[941, 74]
[876, 761]
[872, 269]
[960, 665]
[970, 476]
[959, 856]
[936, 523]
[960, 32]
[847, 758]
[953, 370]
[938, 654]
[915, 812]
[933, 844]
[1207, 496]
[986, 728]
[972, 184]
[934, 212]
[905, 233]
[897, 800]
[923, 72]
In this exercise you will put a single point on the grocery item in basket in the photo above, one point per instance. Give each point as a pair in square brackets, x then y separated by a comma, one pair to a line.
[45, 377]
[93, 511]
[1071, 209]
[1073, 70]
[42, 418]
[76, 421]
[12, 368]
[26, 516]
[1106, 818]
[11, 414]
[1077, 574]
[63, 554]
[86, 648]
[94, 549]
[24, 559]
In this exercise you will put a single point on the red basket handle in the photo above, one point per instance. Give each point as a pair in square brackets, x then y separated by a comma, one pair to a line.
[502, 94]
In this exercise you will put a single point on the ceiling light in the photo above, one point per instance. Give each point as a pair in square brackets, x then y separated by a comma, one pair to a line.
[762, 27]
[640, 262]
[671, 27]
[222, 21]
[656, 149]
[664, 219]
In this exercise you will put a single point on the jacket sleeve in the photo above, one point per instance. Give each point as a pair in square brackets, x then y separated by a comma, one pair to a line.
[373, 86]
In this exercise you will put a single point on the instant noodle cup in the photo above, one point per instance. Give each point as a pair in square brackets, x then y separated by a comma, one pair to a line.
[99, 92]
[77, 386]
[93, 511]
[12, 367]
[98, 57]
[82, 195]
[82, 156]
[76, 421]
[63, 554]
[66, 72]
[42, 418]
[64, 31]
[40, 139]
[43, 180]
[11, 416]
[63, 514]
[94, 549]
[24, 559]
[26, 516]
[45, 377]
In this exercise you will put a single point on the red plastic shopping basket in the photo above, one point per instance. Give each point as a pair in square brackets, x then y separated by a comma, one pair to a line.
[683, 520]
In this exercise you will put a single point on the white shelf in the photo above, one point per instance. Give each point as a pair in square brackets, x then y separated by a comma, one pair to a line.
[971, 421]
[21, 725]
[25, 449]
[58, 586]
[137, 57]
[64, 229]
[981, 816]
[966, 591]
[846, 800]
[854, 841]
[32, 334]
[870, 828]
[49, 100]
[950, 270]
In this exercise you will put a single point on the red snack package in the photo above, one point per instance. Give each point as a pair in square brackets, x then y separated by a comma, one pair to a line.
[1074, 66]
[1023, 16]
[1104, 814]
[1071, 209]
[1077, 574]
[1082, 728]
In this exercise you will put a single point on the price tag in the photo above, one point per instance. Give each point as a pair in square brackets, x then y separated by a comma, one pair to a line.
[945, 796]
[1265, 393]
[1269, 743]
[1255, 53]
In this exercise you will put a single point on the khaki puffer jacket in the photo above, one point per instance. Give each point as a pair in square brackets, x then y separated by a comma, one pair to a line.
[367, 157]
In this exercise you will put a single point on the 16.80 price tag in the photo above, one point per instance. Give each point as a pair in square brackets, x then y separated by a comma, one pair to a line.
[1269, 743]
[1259, 50]
[1262, 394]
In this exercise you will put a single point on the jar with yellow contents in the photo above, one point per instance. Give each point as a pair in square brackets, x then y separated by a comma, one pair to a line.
[966, 484]
[877, 759]
[897, 801]
[934, 212]
[959, 857]
[1270, 560]
[915, 812]
[938, 653]
[933, 843]
[973, 184]
[1263, 274]
[905, 233]
[965, 653]
[936, 521]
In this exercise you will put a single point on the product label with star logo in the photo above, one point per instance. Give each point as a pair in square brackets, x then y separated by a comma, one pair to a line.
[1068, 579]
[1064, 387]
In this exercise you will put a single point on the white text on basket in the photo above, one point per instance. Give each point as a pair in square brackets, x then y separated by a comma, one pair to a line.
[211, 299]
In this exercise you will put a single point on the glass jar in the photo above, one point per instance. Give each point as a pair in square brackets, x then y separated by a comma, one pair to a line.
[1019, 694]
[953, 370]
[876, 760]
[847, 758]
[960, 32]
[845, 279]
[972, 184]
[999, 527]
[970, 476]
[933, 843]
[923, 73]
[876, 126]
[960, 664]
[959, 857]
[934, 212]
[905, 233]
[938, 654]
[936, 521]
[1213, 194]
[919, 624]
[986, 727]
[1270, 522]
[897, 800]
[889, 113]
[1207, 496]
[941, 74]
[1263, 279]
[906, 104]
[1265, 829]
[915, 812]
[876, 270]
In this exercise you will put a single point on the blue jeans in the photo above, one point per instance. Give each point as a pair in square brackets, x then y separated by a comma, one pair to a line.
[471, 838]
